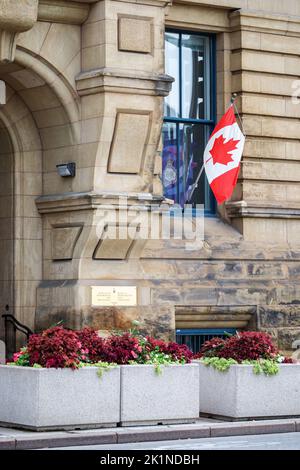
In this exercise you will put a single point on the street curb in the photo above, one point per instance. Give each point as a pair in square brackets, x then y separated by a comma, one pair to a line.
[162, 434]
[148, 434]
[7, 444]
[248, 428]
[67, 440]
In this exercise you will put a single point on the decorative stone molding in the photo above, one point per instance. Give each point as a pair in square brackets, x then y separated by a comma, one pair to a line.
[135, 34]
[259, 21]
[106, 79]
[59, 11]
[127, 156]
[190, 317]
[64, 239]
[92, 200]
[15, 17]
[263, 210]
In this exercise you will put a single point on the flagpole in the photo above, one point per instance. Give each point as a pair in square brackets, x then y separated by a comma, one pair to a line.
[195, 185]
[232, 102]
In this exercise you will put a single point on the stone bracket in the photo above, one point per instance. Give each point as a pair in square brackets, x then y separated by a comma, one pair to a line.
[15, 17]
[68, 12]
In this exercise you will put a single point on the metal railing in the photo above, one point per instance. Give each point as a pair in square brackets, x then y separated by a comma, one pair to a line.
[11, 327]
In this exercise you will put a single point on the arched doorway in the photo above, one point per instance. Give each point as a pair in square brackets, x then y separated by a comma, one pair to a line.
[6, 223]
[20, 222]
[38, 129]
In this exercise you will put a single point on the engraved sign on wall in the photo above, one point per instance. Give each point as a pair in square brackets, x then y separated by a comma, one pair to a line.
[107, 296]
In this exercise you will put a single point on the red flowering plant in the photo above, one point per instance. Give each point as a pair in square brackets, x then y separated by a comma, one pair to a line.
[248, 347]
[92, 345]
[59, 348]
[210, 348]
[56, 347]
[159, 353]
[121, 348]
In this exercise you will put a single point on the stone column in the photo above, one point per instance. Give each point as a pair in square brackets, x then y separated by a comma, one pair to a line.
[121, 89]
[265, 68]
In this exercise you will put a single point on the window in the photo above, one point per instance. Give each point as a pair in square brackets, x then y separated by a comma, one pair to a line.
[189, 113]
[194, 339]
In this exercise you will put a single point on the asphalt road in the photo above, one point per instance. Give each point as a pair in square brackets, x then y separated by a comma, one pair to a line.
[289, 441]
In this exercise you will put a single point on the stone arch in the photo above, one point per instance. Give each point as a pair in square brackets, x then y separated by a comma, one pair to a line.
[39, 128]
[21, 174]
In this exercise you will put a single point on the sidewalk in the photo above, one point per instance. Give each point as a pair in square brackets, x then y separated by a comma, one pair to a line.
[11, 439]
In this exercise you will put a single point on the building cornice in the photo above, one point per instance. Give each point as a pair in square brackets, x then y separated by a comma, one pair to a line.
[260, 21]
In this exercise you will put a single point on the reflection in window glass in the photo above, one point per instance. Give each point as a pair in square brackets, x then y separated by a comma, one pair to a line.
[189, 117]
[195, 77]
[172, 68]
[169, 159]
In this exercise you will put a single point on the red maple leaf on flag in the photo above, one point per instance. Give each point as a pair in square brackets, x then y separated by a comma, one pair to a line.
[220, 150]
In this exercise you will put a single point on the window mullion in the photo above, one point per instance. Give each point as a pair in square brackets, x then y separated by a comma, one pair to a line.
[180, 75]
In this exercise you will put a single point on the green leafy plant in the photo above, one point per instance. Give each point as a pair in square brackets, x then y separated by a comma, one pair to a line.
[260, 366]
[158, 359]
[265, 366]
[249, 348]
[219, 363]
[101, 367]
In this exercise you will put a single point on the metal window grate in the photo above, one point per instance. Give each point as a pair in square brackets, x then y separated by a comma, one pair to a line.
[195, 338]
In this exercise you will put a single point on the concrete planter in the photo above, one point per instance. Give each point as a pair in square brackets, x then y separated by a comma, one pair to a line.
[238, 393]
[149, 398]
[42, 399]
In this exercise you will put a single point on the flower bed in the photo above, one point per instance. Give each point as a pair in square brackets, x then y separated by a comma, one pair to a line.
[244, 376]
[71, 379]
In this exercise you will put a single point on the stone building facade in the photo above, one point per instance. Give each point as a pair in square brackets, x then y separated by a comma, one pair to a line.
[86, 83]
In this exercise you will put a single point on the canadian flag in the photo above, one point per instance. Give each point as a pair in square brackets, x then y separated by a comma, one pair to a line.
[222, 156]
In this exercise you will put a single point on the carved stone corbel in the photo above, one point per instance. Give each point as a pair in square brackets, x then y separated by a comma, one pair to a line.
[15, 17]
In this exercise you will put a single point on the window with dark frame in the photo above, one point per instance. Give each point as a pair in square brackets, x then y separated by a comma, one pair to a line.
[189, 115]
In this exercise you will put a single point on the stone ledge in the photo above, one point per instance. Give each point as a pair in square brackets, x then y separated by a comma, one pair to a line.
[201, 316]
[93, 200]
[68, 12]
[264, 21]
[114, 80]
[262, 210]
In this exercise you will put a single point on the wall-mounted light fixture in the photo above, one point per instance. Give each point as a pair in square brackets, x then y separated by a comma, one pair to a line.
[66, 169]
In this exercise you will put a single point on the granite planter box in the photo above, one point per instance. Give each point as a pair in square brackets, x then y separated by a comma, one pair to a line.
[43, 399]
[238, 393]
[151, 398]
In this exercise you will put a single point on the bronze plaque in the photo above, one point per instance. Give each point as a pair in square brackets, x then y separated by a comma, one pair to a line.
[107, 296]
